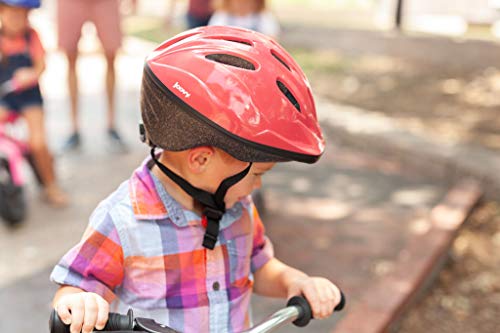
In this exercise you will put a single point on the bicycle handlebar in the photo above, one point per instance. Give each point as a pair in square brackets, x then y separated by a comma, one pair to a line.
[116, 322]
[297, 311]
[305, 311]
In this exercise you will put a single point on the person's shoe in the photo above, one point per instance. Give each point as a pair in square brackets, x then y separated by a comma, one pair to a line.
[72, 143]
[55, 196]
[117, 145]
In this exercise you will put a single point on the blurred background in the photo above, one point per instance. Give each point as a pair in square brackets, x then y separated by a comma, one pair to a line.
[408, 93]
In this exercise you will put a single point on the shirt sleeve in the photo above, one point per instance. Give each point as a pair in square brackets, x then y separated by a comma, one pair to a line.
[95, 264]
[262, 250]
[36, 48]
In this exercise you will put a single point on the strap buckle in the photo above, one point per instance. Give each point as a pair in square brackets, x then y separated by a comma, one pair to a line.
[212, 231]
[209, 241]
[213, 214]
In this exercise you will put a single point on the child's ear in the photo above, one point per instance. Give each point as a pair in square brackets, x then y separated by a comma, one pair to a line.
[199, 158]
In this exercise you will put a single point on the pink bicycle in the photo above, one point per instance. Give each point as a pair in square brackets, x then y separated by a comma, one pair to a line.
[13, 153]
[297, 312]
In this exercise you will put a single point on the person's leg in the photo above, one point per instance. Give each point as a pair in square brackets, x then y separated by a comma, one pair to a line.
[73, 141]
[41, 155]
[106, 17]
[71, 15]
[110, 88]
[117, 143]
[73, 89]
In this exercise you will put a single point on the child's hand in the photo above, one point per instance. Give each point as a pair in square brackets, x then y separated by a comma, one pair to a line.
[25, 77]
[322, 295]
[83, 311]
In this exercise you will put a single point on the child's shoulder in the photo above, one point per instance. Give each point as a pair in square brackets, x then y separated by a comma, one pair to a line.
[19, 44]
[33, 37]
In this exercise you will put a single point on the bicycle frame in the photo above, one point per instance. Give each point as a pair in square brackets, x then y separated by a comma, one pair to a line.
[14, 151]
[11, 149]
[277, 320]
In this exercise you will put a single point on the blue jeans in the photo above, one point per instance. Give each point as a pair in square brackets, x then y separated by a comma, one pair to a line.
[194, 22]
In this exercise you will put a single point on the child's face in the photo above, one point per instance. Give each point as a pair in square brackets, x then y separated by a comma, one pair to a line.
[222, 168]
[251, 182]
[14, 19]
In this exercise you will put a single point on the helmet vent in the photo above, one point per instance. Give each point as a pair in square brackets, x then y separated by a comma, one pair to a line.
[238, 41]
[231, 39]
[231, 60]
[288, 94]
[280, 60]
[176, 40]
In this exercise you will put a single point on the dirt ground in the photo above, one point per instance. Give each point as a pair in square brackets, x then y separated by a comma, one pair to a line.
[466, 295]
[457, 104]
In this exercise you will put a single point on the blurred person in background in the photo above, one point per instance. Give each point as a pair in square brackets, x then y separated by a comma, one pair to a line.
[130, 6]
[197, 15]
[105, 15]
[21, 64]
[249, 14]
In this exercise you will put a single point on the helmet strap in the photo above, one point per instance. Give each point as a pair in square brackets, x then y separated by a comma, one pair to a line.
[213, 204]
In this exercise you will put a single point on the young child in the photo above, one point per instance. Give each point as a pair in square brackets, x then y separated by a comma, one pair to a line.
[22, 62]
[249, 14]
[181, 240]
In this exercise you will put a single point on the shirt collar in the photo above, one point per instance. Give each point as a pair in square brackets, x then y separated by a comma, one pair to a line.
[144, 196]
[150, 201]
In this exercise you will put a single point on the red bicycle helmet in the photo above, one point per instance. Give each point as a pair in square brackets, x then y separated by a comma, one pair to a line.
[231, 88]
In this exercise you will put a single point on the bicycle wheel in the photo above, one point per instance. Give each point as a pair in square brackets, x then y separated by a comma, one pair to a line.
[13, 204]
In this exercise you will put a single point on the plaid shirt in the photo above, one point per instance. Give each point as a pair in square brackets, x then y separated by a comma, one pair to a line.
[142, 250]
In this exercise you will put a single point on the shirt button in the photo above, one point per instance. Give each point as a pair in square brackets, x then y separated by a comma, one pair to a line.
[216, 286]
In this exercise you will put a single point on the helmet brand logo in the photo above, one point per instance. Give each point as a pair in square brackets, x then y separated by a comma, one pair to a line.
[181, 89]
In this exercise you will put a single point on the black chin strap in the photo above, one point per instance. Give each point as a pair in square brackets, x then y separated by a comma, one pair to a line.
[213, 204]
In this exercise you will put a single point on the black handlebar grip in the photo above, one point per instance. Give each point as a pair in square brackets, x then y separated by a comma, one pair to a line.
[119, 322]
[56, 325]
[305, 310]
[342, 302]
[116, 322]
